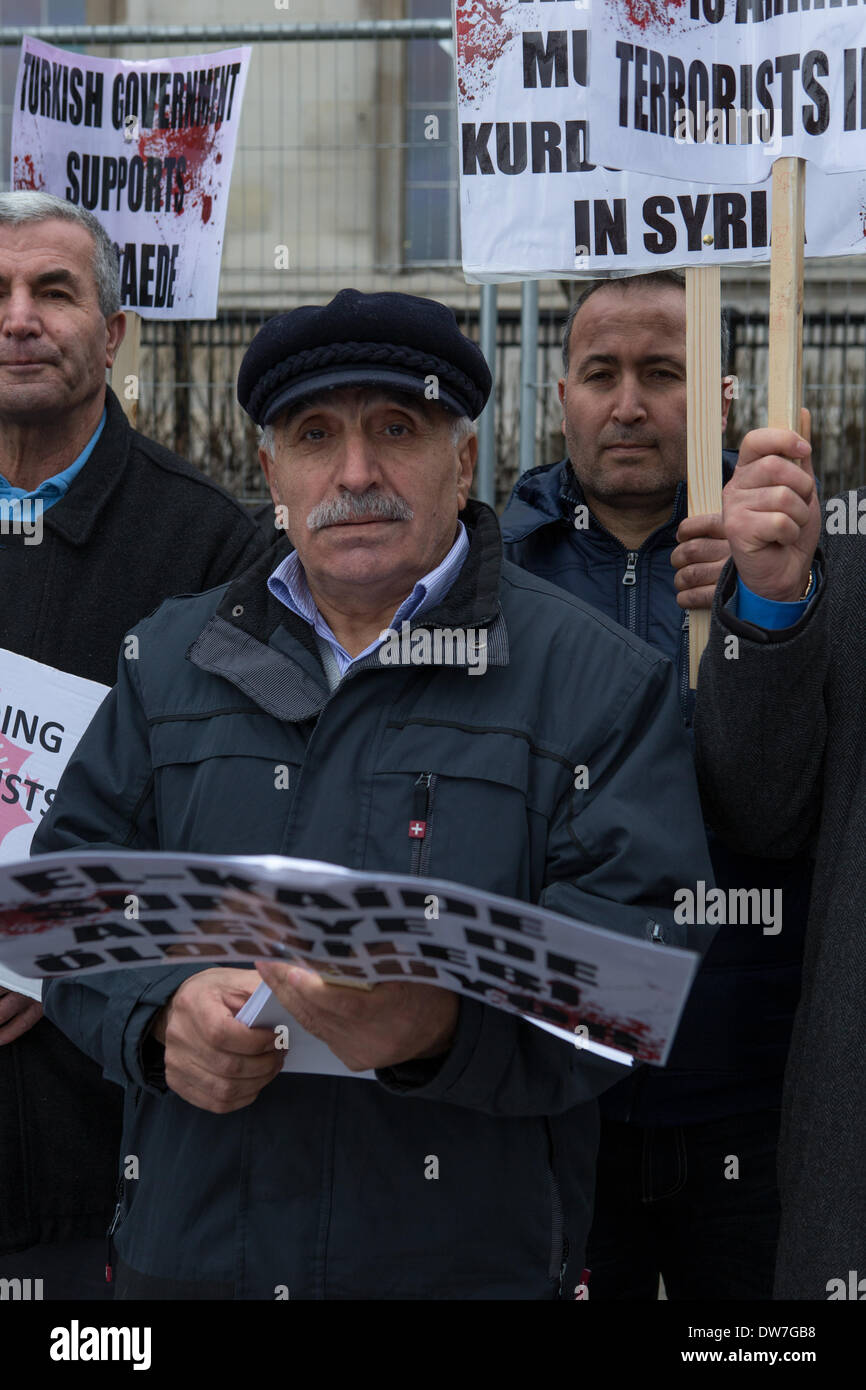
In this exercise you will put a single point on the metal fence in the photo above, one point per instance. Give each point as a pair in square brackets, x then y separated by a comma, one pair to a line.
[333, 161]
[834, 386]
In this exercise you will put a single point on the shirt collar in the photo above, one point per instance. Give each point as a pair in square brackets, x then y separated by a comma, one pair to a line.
[288, 583]
[51, 489]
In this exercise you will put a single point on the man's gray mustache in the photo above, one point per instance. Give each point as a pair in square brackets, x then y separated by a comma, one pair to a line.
[348, 507]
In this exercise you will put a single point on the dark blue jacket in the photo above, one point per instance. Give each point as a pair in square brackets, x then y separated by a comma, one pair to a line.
[318, 1185]
[730, 1052]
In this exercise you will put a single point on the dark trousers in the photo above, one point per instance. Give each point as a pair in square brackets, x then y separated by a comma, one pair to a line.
[664, 1206]
[68, 1270]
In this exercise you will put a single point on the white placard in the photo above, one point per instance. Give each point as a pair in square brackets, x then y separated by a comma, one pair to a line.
[67, 915]
[534, 203]
[43, 713]
[148, 149]
[709, 89]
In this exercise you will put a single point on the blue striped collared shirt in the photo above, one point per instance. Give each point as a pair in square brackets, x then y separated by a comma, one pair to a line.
[288, 583]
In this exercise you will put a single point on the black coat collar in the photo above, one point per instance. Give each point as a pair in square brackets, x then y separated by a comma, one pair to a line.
[472, 601]
[76, 515]
[244, 641]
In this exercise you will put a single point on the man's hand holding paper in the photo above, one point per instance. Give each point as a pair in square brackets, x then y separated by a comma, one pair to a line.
[211, 1060]
[390, 1024]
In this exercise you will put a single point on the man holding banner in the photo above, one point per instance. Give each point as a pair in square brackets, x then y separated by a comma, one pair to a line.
[122, 523]
[604, 524]
[276, 716]
[779, 728]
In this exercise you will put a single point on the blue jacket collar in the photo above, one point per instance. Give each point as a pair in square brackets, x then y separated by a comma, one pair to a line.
[550, 493]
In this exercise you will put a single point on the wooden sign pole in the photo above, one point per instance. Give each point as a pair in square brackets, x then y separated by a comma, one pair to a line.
[703, 420]
[784, 387]
[126, 371]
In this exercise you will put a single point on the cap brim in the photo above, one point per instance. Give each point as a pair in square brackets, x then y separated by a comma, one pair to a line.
[378, 378]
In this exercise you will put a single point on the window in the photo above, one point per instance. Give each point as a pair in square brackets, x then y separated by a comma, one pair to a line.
[432, 225]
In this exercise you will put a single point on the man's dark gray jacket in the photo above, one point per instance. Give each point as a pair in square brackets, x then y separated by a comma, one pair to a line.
[137, 525]
[733, 1039]
[781, 731]
[319, 1185]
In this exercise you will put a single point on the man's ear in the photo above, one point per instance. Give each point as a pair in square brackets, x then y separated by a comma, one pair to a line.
[561, 389]
[467, 457]
[115, 330]
[270, 477]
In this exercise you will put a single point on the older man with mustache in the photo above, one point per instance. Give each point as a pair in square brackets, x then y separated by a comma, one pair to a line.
[262, 718]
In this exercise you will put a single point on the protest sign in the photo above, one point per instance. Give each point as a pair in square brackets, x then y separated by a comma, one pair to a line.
[43, 713]
[535, 199]
[148, 149]
[66, 915]
[708, 89]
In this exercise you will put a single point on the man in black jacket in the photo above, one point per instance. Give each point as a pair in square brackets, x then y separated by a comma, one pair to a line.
[686, 1169]
[779, 730]
[124, 524]
[252, 1184]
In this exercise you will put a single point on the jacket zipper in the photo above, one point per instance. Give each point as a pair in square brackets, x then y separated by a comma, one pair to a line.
[684, 663]
[630, 581]
[559, 1244]
[115, 1222]
[420, 822]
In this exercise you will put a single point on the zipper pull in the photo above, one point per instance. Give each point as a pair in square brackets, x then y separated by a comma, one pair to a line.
[630, 577]
[115, 1221]
[420, 806]
[109, 1271]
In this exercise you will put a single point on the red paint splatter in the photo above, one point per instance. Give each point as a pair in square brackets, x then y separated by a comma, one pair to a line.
[24, 175]
[649, 14]
[482, 37]
[26, 919]
[631, 1035]
[196, 146]
[12, 757]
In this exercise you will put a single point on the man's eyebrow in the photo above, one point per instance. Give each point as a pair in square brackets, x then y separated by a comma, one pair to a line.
[59, 276]
[609, 359]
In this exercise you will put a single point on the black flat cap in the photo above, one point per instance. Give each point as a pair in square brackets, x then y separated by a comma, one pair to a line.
[382, 340]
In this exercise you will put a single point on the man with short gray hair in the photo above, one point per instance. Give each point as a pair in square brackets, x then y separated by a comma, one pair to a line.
[120, 523]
